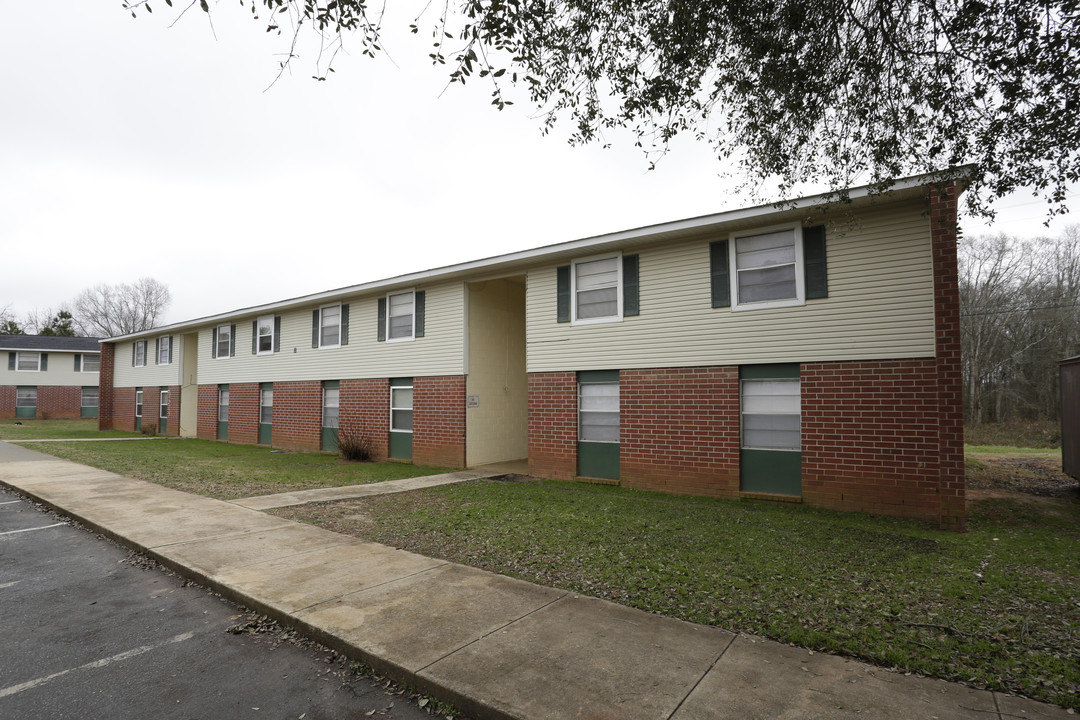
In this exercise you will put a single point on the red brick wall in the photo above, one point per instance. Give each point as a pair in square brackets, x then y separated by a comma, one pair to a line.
[7, 401]
[297, 415]
[173, 428]
[553, 425]
[244, 413]
[106, 406]
[151, 408]
[123, 409]
[679, 430]
[943, 232]
[870, 436]
[438, 420]
[206, 423]
[365, 409]
[59, 401]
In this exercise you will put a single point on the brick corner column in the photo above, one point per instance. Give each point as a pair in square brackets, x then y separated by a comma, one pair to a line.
[943, 232]
[106, 405]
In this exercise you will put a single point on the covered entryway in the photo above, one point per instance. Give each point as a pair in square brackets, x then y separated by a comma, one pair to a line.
[189, 385]
[497, 386]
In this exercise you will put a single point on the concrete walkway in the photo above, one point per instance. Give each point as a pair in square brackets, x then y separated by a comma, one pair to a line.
[493, 646]
[302, 497]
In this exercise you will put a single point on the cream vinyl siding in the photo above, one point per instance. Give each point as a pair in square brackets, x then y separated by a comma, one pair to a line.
[61, 371]
[126, 376]
[439, 352]
[880, 305]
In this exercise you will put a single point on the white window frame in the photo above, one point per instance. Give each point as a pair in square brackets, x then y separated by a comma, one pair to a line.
[800, 274]
[263, 406]
[338, 343]
[138, 403]
[19, 358]
[412, 324]
[574, 319]
[163, 404]
[582, 411]
[797, 382]
[227, 327]
[411, 408]
[337, 406]
[25, 391]
[223, 402]
[259, 336]
[82, 362]
[97, 398]
[140, 362]
[164, 348]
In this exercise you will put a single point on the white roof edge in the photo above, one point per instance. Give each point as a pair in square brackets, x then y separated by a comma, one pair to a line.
[855, 193]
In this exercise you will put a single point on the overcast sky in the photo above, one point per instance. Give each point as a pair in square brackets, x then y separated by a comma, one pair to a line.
[130, 149]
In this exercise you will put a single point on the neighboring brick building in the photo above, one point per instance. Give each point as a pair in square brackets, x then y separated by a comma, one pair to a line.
[807, 353]
[45, 376]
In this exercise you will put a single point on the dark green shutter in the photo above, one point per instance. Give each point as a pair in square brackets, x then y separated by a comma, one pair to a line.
[232, 340]
[11, 361]
[277, 333]
[562, 293]
[814, 263]
[719, 274]
[382, 319]
[170, 349]
[315, 328]
[157, 350]
[254, 337]
[419, 300]
[133, 352]
[44, 361]
[78, 363]
[213, 344]
[630, 285]
[344, 324]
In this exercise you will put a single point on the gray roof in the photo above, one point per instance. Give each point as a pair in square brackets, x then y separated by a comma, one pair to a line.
[50, 343]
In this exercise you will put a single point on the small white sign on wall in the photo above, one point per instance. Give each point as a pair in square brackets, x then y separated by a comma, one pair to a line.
[472, 401]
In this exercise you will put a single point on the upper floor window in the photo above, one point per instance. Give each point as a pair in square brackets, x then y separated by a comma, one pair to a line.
[89, 362]
[29, 362]
[399, 321]
[138, 354]
[330, 326]
[164, 350]
[595, 291]
[770, 267]
[264, 335]
[222, 343]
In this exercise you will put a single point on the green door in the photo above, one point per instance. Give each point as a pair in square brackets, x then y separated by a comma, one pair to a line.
[770, 460]
[401, 418]
[25, 402]
[266, 412]
[163, 419]
[598, 424]
[330, 415]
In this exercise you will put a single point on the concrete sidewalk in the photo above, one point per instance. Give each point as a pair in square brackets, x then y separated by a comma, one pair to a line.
[493, 646]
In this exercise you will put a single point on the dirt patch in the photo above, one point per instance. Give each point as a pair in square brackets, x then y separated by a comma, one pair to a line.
[1038, 475]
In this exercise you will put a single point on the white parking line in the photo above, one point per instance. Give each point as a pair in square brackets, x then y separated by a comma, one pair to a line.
[43, 527]
[95, 664]
[9, 584]
[11, 502]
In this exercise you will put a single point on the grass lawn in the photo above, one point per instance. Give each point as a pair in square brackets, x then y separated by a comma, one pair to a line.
[58, 429]
[997, 607]
[227, 471]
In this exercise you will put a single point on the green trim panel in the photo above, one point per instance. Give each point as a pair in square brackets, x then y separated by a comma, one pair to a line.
[222, 430]
[26, 412]
[265, 433]
[769, 372]
[771, 471]
[329, 439]
[163, 426]
[401, 445]
[88, 412]
[598, 376]
[401, 382]
[598, 460]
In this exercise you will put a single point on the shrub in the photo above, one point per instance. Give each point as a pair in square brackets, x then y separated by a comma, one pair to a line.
[355, 445]
[148, 429]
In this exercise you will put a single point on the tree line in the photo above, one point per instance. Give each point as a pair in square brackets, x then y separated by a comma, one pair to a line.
[1019, 316]
[99, 311]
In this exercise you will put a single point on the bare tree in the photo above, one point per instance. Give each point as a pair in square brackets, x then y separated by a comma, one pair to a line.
[112, 310]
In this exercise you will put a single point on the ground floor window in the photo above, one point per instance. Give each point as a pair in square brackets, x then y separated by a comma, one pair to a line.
[138, 402]
[401, 418]
[89, 403]
[266, 405]
[598, 424]
[223, 405]
[26, 402]
[330, 414]
[770, 414]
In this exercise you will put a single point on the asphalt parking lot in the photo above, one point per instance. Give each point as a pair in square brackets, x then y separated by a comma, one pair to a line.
[89, 630]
